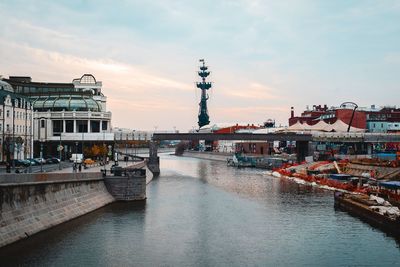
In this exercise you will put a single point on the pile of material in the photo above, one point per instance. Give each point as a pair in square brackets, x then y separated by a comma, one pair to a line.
[375, 162]
[384, 208]
[388, 173]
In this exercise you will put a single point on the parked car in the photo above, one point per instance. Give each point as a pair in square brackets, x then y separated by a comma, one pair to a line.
[41, 160]
[33, 162]
[20, 163]
[51, 160]
[88, 161]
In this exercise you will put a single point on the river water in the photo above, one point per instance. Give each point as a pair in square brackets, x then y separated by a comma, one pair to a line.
[203, 213]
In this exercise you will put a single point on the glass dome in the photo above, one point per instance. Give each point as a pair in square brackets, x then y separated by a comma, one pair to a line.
[6, 86]
[67, 103]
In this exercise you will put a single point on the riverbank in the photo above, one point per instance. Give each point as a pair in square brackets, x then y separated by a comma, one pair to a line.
[31, 203]
[204, 213]
[218, 156]
[38, 202]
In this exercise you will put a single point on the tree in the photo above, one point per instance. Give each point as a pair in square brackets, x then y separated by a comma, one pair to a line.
[95, 151]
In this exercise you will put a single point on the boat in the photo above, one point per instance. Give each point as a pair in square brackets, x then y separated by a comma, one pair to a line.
[372, 209]
[270, 163]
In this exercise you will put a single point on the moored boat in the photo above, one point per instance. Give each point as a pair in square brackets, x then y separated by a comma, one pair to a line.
[374, 210]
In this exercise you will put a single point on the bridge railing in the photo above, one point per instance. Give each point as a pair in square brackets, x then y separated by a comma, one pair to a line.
[356, 137]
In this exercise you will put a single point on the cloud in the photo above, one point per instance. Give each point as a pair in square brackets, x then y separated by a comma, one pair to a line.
[254, 91]
[115, 72]
[262, 53]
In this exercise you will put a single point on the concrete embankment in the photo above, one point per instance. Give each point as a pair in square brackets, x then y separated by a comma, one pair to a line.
[31, 203]
[207, 155]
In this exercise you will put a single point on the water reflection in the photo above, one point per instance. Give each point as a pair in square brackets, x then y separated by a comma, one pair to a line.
[203, 213]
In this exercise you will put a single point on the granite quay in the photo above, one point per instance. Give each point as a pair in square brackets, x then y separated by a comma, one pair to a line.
[31, 203]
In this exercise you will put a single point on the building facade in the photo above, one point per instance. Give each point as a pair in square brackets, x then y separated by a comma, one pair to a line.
[372, 119]
[67, 117]
[16, 124]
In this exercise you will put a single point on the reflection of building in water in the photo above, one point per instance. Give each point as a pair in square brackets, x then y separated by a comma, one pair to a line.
[15, 124]
[71, 114]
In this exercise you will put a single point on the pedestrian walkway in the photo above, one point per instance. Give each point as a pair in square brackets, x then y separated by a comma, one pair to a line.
[98, 168]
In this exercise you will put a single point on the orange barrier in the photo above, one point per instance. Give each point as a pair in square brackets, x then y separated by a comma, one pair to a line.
[318, 164]
[321, 181]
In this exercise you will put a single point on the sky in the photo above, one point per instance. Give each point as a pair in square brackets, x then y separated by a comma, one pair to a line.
[265, 56]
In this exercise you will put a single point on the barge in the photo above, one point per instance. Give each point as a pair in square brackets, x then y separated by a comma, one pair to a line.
[371, 209]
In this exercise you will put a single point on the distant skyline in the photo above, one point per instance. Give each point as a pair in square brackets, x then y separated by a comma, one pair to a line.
[265, 56]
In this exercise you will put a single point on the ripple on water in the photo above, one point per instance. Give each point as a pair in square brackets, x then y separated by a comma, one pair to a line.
[203, 213]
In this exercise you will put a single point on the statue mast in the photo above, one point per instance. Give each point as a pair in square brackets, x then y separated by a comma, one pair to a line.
[204, 119]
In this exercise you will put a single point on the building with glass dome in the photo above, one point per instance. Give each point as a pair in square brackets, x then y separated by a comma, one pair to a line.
[72, 116]
[16, 123]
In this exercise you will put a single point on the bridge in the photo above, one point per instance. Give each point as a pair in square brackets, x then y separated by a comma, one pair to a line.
[303, 140]
[284, 136]
[290, 136]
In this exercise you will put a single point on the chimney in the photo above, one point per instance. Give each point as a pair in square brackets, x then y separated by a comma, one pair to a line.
[291, 112]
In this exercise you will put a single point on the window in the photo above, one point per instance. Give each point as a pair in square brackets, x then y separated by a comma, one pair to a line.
[69, 126]
[42, 124]
[8, 127]
[382, 125]
[95, 126]
[8, 113]
[57, 126]
[82, 126]
[104, 125]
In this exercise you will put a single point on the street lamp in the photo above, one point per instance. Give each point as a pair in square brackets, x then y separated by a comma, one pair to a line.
[60, 148]
[83, 137]
[134, 142]
[76, 151]
[41, 155]
[104, 157]
[352, 114]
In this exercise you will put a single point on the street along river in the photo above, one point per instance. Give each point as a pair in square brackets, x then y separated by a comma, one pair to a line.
[203, 213]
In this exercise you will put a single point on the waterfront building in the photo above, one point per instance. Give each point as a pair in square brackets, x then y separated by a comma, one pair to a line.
[387, 120]
[330, 116]
[225, 146]
[370, 119]
[67, 116]
[16, 124]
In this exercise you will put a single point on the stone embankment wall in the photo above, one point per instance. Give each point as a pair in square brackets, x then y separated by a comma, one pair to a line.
[130, 187]
[207, 155]
[30, 203]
